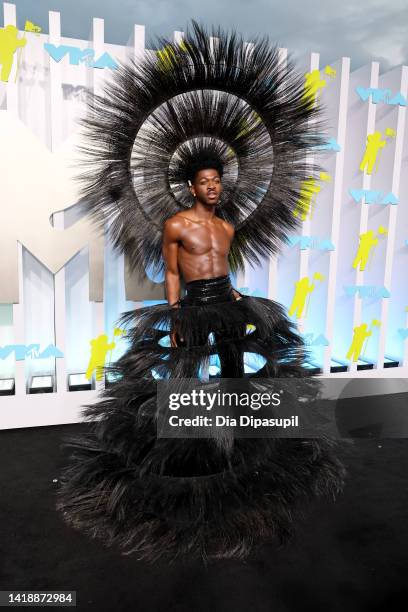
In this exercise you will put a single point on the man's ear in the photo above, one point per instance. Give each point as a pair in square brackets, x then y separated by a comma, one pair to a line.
[191, 188]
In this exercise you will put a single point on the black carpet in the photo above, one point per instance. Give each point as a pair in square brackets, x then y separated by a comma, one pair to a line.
[351, 555]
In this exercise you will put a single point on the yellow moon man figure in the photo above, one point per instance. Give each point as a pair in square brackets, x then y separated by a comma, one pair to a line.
[359, 336]
[367, 242]
[374, 145]
[303, 288]
[313, 85]
[99, 348]
[9, 43]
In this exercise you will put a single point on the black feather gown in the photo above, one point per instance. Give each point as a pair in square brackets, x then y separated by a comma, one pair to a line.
[206, 498]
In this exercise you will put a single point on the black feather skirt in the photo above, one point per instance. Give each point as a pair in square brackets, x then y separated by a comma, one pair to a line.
[163, 497]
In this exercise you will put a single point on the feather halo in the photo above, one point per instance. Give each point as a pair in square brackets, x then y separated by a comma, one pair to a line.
[211, 91]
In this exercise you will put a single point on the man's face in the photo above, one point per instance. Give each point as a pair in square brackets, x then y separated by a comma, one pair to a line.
[207, 187]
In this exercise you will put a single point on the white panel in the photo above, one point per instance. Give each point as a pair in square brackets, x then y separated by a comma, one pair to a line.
[99, 76]
[306, 224]
[98, 44]
[405, 361]
[56, 119]
[337, 201]
[79, 314]
[19, 327]
[10, 18]
[359, 280]
[393, 214]
[55, 82]
[6, 339]
[38, 294]
[136, 43]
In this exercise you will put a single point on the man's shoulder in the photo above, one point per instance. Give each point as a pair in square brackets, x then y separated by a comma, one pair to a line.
[228, 226]
[174, 221]
[173, 226]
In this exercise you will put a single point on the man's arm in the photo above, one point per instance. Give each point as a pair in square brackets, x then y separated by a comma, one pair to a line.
[170, 249]
[231, 233]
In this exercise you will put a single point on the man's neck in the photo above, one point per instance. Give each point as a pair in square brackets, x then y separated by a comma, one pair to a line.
[202, 212]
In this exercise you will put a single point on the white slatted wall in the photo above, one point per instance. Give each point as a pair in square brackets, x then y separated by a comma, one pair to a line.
[41, 105]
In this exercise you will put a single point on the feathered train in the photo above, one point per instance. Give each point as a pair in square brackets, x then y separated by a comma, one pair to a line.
[156, 497]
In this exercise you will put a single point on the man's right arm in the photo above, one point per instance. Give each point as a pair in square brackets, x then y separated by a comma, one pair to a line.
[171, 238]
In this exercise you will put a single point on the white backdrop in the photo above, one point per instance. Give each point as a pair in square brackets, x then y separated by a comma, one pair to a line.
[66, 286]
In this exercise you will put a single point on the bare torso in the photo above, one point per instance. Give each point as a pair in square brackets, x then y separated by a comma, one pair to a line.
[194, 249]
[202, 246]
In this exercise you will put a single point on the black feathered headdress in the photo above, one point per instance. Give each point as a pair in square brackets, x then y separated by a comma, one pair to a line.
[211, 92]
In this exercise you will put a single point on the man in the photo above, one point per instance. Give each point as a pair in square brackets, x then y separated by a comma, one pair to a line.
[196, 244]
[210, 497]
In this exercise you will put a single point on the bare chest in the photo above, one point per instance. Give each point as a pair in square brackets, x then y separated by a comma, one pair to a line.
[199, 239]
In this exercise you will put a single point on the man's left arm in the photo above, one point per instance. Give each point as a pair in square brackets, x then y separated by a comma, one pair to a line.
[231, 232]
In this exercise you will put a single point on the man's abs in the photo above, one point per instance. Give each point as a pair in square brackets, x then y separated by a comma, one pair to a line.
[203, 265]
[203, 251]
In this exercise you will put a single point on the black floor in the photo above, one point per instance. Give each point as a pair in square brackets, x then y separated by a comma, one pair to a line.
[351, 555]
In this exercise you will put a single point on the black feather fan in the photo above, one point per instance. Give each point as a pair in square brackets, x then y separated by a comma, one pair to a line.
[212, 91]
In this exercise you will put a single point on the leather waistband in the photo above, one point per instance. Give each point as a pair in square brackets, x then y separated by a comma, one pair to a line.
[205, 290]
